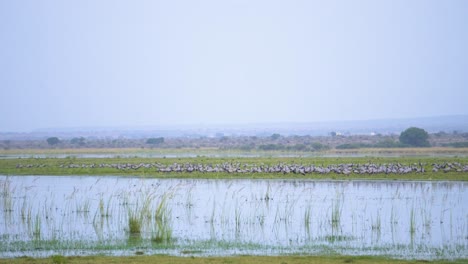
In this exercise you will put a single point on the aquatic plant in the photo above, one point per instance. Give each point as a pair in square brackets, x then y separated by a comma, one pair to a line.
[412, 228]
[307, 217]
[377, 224]
[237, 216]
[134, 223]
[83, 206]
[163, 233]
[336, 214]
[163, 230]
[37, 228]
[6, 191]
[307, 214]
[162, 211]
[101, 206]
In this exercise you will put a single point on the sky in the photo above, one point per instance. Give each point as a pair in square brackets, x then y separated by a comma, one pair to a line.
[158, 63]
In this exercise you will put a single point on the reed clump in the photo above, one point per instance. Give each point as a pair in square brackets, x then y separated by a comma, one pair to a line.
[163, 230]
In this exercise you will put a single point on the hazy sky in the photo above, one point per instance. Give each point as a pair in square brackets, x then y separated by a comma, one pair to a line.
[137, 63]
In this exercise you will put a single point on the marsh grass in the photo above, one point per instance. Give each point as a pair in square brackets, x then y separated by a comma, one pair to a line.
[26, 209]
[377, 223]
[412, 228]
[36, 228]
[336, 213]
[134, 224]
[163, 230]
[83, 207]
[237, 216]
[307, 215]
[6, 195]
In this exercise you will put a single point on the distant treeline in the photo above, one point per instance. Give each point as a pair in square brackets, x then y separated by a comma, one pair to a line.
[412, 137]
[457, 144]
[381, 144]
[316, 146]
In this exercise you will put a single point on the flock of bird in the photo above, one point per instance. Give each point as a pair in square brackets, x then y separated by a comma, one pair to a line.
[348, 168]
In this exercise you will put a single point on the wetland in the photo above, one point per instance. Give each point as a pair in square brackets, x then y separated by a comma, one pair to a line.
[90, 215]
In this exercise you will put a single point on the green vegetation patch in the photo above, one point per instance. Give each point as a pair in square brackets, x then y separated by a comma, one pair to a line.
[90, 166]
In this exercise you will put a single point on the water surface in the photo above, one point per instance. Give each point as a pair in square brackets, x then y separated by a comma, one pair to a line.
[76, 215]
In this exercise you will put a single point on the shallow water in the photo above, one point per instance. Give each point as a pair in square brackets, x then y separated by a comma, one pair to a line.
[46, 215]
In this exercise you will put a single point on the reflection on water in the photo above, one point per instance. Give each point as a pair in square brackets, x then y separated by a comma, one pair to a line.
[90, 215]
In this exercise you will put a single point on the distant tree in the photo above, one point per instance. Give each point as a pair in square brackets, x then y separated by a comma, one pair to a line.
[318, 146]
[275, 136]
[6, 144]
[247, 147]
[440, 134]
[333, 134]
[416, 137]
[298, 147]
[79, 141]
[155, 141]
[388, 143]
[53, 141]
[457, 145]
[270, 147]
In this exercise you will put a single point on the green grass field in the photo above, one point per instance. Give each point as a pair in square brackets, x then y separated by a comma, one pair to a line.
[51, 166]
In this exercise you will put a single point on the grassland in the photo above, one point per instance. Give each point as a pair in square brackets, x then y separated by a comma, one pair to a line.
[214, 260]
[59, 166]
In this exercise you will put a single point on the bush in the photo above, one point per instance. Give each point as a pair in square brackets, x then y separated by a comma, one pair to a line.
[247, 147]
[155, 141]
[53, 140]
[318, 146]
[275, 136]
[270, 147]
[298, 147]
[78, 141]
[416, 137]
[388, 144]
